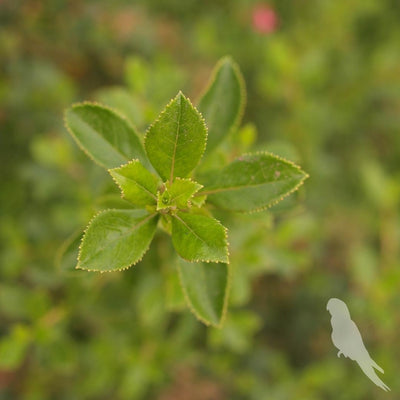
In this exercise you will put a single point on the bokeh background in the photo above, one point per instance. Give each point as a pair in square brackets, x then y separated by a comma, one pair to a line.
[323, 82]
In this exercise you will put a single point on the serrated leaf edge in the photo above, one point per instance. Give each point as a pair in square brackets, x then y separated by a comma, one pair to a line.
[161, 115]
[272, 203]
[97, 104]
[225, 302]
[188, 179]
[111, 270]
[120, 187]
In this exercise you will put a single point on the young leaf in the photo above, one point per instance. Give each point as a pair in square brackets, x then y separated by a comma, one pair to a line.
[177, 139]
[138, 185]
[223, 102]
[198, 201]
[105, 136]
[199, 238]
[116, 239]
[253, 182]
[206, 287]
[178, 194]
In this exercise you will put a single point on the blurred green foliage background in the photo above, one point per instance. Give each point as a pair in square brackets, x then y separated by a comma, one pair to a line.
[323, 81]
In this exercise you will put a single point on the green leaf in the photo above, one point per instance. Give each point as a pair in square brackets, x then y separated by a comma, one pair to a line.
[177, 139]
[178, 194]
[223, 102]
[104, 135]
[206, 288]
[138, 185]
[253, 182]
[116, 239]
[199, 238]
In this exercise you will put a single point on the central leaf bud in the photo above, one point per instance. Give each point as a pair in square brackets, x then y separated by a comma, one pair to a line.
[177, 195]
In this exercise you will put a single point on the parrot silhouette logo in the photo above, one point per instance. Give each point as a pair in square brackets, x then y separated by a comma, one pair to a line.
[347, 338]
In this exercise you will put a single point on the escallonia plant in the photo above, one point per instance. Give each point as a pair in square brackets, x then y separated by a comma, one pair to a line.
[162, 179]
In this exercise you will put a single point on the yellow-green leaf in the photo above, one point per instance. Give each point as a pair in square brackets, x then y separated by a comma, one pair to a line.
[178, 194]
[138, 185]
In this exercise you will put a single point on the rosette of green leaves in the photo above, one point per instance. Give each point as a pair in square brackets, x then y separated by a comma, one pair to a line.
[155, 176]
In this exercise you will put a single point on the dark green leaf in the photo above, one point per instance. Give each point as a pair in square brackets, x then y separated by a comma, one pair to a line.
[223, 102]
[253, 182]
[104, 135]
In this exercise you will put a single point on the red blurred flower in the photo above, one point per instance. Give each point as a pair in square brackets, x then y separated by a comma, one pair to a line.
[265, 19]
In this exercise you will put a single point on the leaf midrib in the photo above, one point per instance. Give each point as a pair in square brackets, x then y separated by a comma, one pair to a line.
[191, 230]
[176, 141]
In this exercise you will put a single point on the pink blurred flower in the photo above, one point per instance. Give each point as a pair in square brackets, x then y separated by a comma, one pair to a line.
[265, 19]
